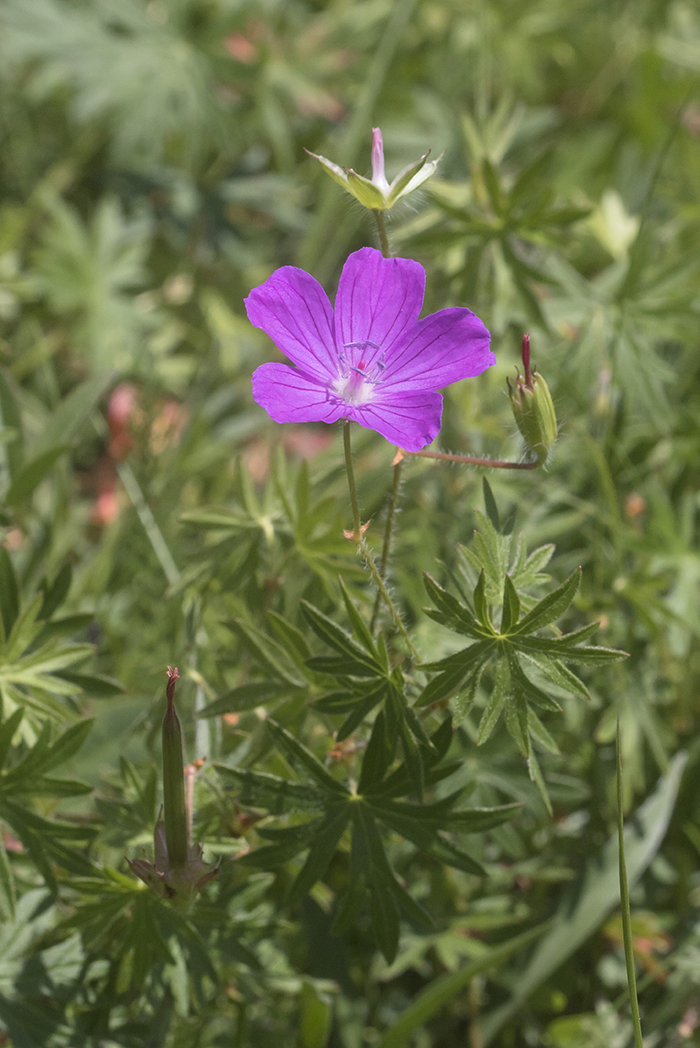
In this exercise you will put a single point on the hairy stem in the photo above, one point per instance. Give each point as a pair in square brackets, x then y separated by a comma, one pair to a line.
[356, 527]
[381, 229]
[388, 530]
[493, 463]
[381, 588]
[362, 546]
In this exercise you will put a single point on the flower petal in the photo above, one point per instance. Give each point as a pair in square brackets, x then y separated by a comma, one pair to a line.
[378, 301]
[293, 309]
[410, 420]
[289, 395]
[442, 348]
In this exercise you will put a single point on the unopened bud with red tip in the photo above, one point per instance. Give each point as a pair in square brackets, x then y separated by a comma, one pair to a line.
[179, 872]
[533, 408]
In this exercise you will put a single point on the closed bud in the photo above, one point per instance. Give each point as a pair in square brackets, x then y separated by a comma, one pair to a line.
[532, 407]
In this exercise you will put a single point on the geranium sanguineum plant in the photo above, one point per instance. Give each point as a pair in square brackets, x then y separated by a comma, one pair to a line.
[372, 360]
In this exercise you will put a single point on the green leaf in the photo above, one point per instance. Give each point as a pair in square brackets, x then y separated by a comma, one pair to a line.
[293, 639]
[338, 639]
[360, 627]
[588, 654]
[7, 730]
[511, 606]
[455, 668]
[263, 790]
[9, 592]
[490, 504]
[358, 714]
[540, 733]
[446, 852]
[96, 684]
[445, 988]
[337, 666]
[31, 474]
[245, 697]
[480, 605]
[477, 820]
[269, 652]
[289, 842]
[378, 756]
[537, 777]
[495, 703]
[323, 847]
[492, 187]
[385, 918]
[516, 720]
[299, 754]
[11, 420]
[71, 414]
[452, 612]
[559, 674]
[56, 593]
[551, 606]
[8, 891]
[524, 686]
[316, 1015]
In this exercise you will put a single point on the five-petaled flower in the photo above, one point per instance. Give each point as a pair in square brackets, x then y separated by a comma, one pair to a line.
[373, 361]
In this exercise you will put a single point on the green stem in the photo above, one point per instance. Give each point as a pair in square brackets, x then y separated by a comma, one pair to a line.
[445, 456]
[356, 527]
[364, 549]
[386, 546]
[381, 229]
[381, 588]
[625, 906]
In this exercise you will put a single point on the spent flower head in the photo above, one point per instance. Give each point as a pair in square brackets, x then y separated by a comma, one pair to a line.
[179, 871]
[373, 360]
[376, 193]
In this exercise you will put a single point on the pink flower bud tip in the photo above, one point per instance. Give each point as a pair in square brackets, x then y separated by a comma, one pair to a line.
[173, 675]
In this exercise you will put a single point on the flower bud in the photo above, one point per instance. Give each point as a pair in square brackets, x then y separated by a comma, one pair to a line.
[376, 193]
[533, 409]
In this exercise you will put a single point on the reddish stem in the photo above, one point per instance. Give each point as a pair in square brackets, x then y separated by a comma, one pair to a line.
[494, 464]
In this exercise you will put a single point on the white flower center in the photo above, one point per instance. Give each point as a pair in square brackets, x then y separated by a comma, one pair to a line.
[356, 383]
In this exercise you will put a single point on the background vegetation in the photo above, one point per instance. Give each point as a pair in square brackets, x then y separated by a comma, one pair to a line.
[152, 171]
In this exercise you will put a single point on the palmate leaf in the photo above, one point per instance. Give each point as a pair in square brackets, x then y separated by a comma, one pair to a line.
[372, 810]
[512, 645]
[362, 665]
[44, 840]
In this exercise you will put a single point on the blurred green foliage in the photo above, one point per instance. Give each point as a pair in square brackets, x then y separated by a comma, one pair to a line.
[391, 871]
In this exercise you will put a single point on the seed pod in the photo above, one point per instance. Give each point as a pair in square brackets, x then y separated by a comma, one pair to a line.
[174, 810]
[533, 409]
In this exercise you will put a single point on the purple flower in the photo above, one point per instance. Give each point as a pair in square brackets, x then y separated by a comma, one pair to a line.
[373, 361]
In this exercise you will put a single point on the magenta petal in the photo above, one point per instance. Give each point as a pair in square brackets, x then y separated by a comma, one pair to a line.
[379, 300]
[293, 309]
[288, 395]
[442, 348]
[410, 420]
